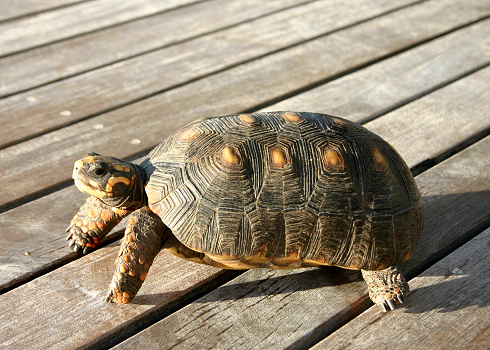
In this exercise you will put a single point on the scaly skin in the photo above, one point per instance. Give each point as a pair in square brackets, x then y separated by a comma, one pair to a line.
[386, 287]
[142, 241]
[92, 223]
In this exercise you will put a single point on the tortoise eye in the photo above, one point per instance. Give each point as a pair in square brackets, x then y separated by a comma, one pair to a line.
[99, 171]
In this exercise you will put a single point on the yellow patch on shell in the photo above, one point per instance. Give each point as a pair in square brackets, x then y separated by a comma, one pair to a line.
[279, 157]
[188, 134]
[226, 262]
[311, 262]
[339, 121]
[407, 256]
[378, 157]
[333, 158]
[289, 259]
[175, 251]
[291, 117]
[248, 119]
[256, 259]
[229, 156]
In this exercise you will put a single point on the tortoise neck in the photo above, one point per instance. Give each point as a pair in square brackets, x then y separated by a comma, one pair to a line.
[137, 199]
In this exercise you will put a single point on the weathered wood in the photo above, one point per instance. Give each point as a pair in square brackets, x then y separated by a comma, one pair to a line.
[66, 308]
[59, 60]
[426, 121]
[154, 118]
[107, 88]
[38, 230]
[32, 31]
[32, 235]
[393, 82]
[447, 309]
[276, 310]
[19, 8]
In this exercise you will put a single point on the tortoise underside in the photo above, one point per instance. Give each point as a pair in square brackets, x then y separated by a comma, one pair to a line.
[285, 190]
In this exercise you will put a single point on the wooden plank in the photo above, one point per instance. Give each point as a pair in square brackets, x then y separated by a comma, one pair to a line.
[41, 234]
[76, 290]
[66, 308]
[107, 88]
[32, 239]
[396, 81]
[468, 93]
[155, 118]
[291, 309]
[448, 308]
[60, 60]
[46, 27]
[18, 8]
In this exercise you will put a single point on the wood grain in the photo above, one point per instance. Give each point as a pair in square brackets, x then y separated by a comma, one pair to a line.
[66, 58]
[447, 309]
[276, 310]
[453, 107]
[155, 118]
[20, 8]
[67, 306]
[27, 32]
[133, 79]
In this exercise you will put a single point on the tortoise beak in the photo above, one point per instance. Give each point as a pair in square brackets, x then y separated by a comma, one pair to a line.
[76, 169]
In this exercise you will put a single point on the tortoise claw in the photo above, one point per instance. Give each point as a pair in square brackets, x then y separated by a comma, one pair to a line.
[391, 304]
[109, 296]
[400, 298]
[382, 306]
[71, 243]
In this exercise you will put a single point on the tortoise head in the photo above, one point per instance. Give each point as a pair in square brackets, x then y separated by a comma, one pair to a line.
[114, 181]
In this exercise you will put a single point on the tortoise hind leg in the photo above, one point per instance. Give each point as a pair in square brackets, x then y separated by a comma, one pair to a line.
[386, 287]
[142, 241]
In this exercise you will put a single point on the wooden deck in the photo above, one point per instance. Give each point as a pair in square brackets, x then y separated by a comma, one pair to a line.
[117, 77]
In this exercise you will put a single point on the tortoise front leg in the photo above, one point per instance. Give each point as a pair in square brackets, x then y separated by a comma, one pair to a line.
[386, 287]
[92, 223]
[142, 241]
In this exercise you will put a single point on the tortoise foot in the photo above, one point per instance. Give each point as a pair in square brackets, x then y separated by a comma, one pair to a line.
[386, 287]
[119, 293]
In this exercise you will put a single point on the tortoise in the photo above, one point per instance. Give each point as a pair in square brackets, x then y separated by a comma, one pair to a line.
[270, 190]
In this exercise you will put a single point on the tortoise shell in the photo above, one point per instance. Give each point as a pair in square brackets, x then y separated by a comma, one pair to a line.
[284, 190]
